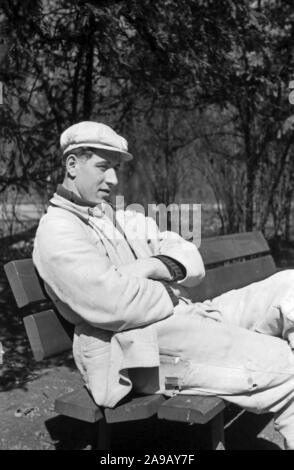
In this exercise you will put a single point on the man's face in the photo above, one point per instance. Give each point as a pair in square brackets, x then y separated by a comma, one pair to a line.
[96, 176]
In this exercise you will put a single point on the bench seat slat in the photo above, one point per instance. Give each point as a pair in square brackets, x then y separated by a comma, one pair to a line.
[230, 247]
[79, 405]
[239, 274]
[191, 408]
[137, 408]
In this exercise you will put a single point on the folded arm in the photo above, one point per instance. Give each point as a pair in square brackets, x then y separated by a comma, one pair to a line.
[188, 268]
[160, 268]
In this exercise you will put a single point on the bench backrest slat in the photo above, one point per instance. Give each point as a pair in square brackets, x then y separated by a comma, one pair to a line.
[24, 282]
[222, 279]
[48, 334]
[229, 247]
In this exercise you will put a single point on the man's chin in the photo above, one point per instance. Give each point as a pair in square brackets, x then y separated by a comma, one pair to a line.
[103, 197]
[92, 202]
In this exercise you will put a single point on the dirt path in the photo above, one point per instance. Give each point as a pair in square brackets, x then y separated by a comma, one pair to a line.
[27, 413]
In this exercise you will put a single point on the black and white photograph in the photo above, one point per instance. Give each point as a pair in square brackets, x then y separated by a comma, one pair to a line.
[147, 228]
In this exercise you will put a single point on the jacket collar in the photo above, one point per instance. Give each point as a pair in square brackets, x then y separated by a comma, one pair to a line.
[72, 197]
[81, 210]
[71, 201]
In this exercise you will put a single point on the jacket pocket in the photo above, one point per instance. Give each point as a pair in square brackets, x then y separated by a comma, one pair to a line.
[94, 347]
[93, 341]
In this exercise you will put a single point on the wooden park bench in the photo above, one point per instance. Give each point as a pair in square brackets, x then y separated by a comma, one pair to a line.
[231, 261]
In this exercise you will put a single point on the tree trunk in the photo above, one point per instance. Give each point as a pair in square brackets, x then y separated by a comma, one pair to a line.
[288, 212]
[87, 111]
[76, 85]
[249, 209]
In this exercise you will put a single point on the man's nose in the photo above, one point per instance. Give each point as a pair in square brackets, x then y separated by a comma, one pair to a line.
[110, 176]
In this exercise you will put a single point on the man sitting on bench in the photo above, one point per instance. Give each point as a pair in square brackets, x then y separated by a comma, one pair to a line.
[122, 282]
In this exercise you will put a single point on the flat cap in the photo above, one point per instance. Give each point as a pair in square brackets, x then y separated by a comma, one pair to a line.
[94, 134]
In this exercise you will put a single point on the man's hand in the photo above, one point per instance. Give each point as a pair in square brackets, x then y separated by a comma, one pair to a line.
[179, 290]
[150, 268]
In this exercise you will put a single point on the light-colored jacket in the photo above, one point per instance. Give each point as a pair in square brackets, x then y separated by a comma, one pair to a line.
[78, 253]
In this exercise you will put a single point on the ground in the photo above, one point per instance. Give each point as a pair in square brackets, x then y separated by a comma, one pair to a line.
[28, 391]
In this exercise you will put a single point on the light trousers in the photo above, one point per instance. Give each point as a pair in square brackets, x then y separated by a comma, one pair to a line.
[237, 346]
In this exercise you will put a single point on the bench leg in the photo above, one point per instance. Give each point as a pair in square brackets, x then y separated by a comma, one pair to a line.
[104, 435]
[217, 436]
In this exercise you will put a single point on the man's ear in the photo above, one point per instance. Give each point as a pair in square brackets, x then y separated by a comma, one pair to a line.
[71, 165]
